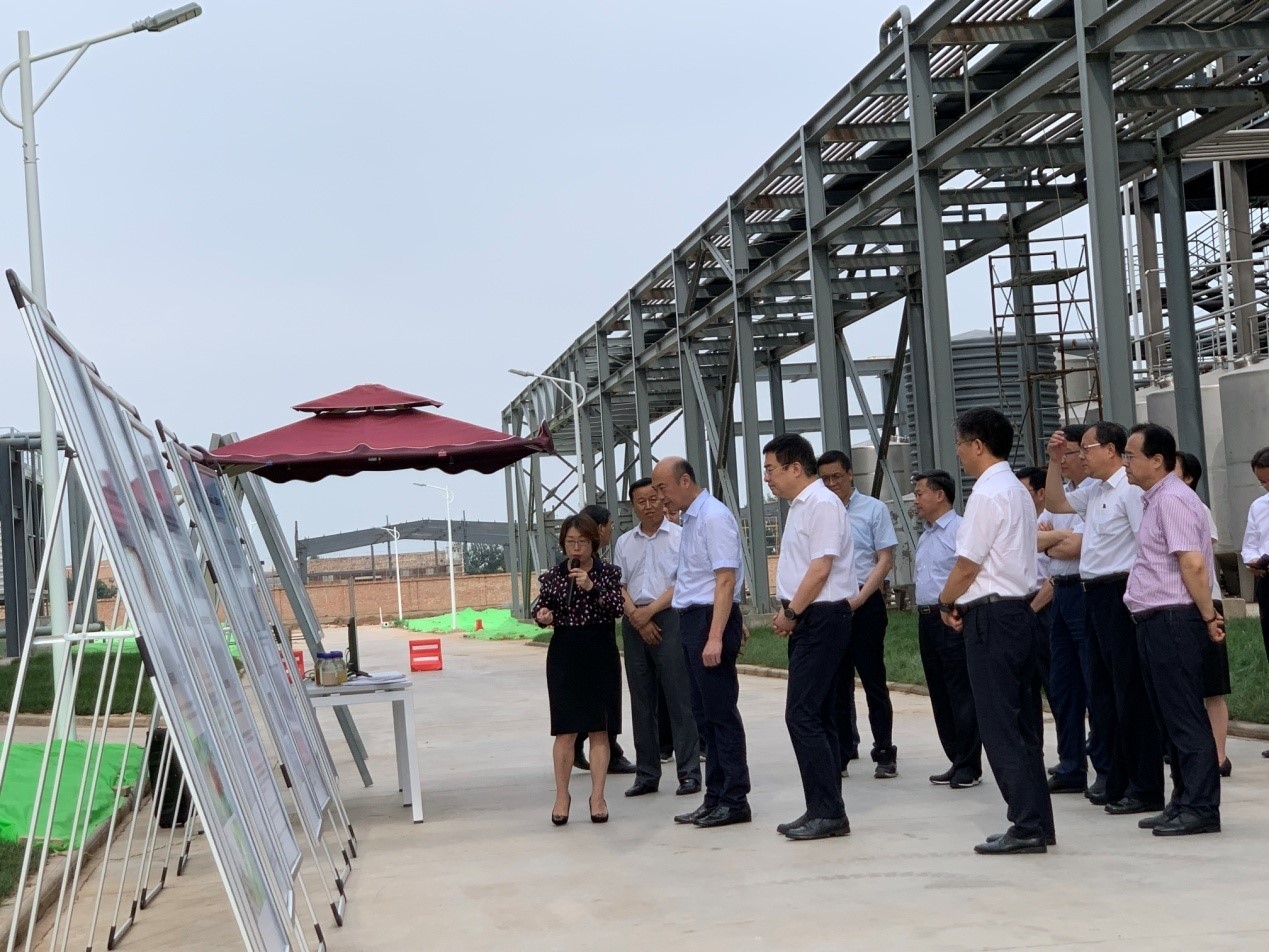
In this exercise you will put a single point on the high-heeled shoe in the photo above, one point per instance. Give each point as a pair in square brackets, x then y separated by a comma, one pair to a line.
[559, 820]
[597, 817]
[1226, 768]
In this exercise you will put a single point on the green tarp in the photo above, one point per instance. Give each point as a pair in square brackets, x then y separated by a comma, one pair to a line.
[496, 624]
[22, 776]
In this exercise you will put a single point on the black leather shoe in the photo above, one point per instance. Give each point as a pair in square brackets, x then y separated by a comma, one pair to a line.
[1096, 793]
[1187, 824]
[1132, 805]
[965, 781]
[784, 828]
[705, 809]
[1052, 771]
[1150, 822]
[621, 766]
[1264, 753]
[725, 816]
[1050, 839]
[580, 762]
[687, 787]
[641, 788]
[1064, 785]
[820, 829]
[1008, 843]
[944, 778]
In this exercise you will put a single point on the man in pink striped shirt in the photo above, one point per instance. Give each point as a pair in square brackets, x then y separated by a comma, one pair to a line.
[1170, 596]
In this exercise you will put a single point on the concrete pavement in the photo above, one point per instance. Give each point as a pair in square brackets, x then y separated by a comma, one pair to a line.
[486, 870]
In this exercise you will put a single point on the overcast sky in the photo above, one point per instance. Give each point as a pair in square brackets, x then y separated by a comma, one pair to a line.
[280, 200]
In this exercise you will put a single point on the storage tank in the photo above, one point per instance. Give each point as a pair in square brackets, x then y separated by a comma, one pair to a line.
[863, 458]
[1244, 397]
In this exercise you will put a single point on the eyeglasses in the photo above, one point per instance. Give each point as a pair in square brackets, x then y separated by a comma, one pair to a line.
[1084, 448]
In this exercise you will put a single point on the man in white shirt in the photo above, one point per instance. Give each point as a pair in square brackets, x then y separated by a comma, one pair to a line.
[986, 597]
[1071, 664]
[1111, 509]
[942, 649]
[815, 582]
[707, 589]
[1255, 552]
[872, 531]
[648, 556]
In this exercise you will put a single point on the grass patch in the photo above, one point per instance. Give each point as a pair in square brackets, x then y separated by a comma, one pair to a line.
[10, 867]
[37, 693]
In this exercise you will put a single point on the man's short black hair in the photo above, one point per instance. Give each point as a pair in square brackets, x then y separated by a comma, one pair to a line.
[1261, 459]
[598, 513]
[939, 479]
[790, 448]
[1112, 433]
[1075, 432]
[1033, 476]
[1158, 441]
[990, 426]
[840, 457]
[638, 484]
[1191, 467]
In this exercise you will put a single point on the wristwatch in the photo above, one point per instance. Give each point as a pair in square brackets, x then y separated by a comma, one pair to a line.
[790, 614]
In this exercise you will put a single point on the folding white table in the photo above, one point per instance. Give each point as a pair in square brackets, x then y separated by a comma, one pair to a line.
[400, 693]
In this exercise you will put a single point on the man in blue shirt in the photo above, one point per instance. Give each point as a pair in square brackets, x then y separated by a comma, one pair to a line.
[942, 649]
[707, 587]
[875, 542]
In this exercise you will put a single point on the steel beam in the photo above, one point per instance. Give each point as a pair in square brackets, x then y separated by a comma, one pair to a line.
[779, 424]
[513, 525]
[1238, 210]
[607, 428]
[643, 414]
[1196, 38]
[1110, 286]
[693, 411]
[929, 240]
[1176, 264]
[821, 274]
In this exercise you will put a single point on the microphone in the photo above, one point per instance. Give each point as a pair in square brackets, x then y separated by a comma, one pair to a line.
[572, 585]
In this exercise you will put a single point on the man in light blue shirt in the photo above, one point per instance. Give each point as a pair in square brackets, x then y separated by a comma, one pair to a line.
[942, 649]
[707, 588]
[874, 542]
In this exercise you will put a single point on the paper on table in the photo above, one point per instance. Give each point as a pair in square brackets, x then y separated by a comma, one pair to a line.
[381, 677]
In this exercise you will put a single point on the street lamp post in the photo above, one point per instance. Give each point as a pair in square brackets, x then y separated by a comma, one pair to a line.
[449, 536]
[576, 393]
[395, 534]
[57, 596]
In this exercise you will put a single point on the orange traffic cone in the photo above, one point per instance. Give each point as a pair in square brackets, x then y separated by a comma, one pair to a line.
[480, 625]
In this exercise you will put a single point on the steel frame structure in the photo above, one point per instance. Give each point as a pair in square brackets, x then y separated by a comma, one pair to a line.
[977, 123]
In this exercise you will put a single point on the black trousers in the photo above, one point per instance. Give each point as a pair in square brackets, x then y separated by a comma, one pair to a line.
[1070, 684]
[867, 657]
[653, 669]
[1171, 644]
[816, 647]
[1000, 648]
[1136, 762]
[1262, 602]
[1043, 664]
[951, 697]
[715, 693]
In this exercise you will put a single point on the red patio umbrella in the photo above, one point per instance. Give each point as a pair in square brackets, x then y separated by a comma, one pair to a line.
[374, 428]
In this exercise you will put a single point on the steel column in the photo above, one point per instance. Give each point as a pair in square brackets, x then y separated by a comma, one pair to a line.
[585, 430]
[513, 522]
[1024, 325]
[831, 384]
[1238, 208]
[1101, 161]
[695, 448]
[775, 386]
[643, 414]
[930, 234]
[608, 446]
[1176, 263]
[747, 374]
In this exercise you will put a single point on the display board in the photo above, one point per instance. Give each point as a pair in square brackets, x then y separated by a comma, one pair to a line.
[117, 463]
[288, 713]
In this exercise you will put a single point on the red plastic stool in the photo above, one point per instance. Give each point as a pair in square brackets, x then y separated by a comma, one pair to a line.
[425, 654]
[298, 654]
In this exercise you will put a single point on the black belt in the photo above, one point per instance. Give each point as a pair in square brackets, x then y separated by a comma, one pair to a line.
[1065, 579]
[1149, 613]
[927, 609]
[701, 608]
[1105, 580]
[784, 603]
[963, 607]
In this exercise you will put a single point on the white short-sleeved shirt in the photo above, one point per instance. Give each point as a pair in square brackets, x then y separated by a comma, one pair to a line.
[935, 556]
[648, 563]
[1111, 509]
[998, 533]
[1063, 520]
[710, 541]
[817, 526]
[1256, 536]
[872, 530]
